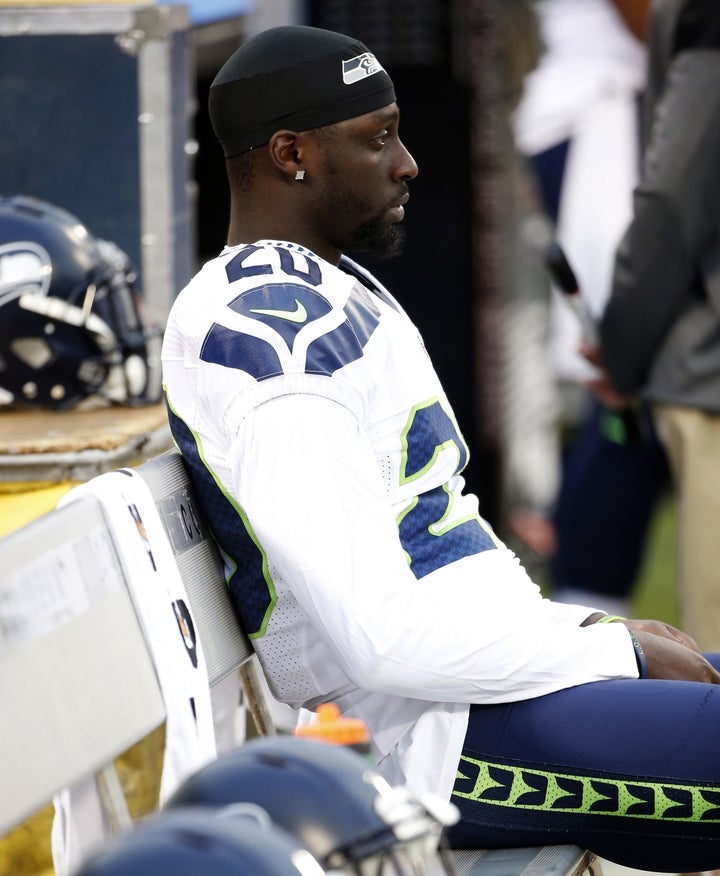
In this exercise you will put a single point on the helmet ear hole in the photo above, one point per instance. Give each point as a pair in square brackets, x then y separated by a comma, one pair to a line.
[33, 352]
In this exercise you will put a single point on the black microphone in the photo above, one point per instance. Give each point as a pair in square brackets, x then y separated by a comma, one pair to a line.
[564, 278]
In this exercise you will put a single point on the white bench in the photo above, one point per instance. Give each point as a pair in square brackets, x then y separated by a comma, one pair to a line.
[535, 861]
[78, 684]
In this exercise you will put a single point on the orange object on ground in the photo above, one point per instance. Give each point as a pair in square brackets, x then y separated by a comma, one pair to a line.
[331, 727]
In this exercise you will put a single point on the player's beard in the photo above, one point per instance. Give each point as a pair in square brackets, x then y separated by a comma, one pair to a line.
[379, 238]
[376, 236]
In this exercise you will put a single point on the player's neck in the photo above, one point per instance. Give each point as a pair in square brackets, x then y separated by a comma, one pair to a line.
[249, 231]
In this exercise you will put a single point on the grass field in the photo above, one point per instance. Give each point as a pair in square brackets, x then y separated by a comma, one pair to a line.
[655, 592]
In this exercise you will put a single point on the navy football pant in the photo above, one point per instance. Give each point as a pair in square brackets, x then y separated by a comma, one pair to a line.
[629, 769]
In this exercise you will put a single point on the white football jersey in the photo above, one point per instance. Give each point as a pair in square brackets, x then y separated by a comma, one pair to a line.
[328, 463]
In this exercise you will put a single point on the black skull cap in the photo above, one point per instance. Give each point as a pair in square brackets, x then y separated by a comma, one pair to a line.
[294, 77]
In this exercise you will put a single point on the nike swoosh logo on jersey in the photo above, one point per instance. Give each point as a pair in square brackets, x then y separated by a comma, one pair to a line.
[297, 315]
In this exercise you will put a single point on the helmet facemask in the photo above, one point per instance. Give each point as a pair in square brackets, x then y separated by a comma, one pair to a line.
[412, 844]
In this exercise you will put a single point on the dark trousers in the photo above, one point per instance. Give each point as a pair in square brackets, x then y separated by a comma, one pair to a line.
[629, 769]
[608, 494]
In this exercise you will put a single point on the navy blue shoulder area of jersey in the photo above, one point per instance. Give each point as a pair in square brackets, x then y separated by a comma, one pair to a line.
[250, 593]
[287, 309]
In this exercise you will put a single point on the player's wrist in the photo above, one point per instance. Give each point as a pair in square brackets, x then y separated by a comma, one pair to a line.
[640, 657]
[594, 618]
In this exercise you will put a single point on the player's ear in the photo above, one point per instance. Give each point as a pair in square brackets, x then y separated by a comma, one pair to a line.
[284, 150]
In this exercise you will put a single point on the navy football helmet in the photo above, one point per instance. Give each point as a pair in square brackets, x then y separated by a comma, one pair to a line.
[222, 842]
[328, 796]
[71, 325]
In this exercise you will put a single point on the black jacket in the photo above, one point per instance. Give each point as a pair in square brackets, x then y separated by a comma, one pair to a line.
[661, 329]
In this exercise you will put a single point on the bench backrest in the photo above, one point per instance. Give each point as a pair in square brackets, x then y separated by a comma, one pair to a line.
[198, 559]
[77, 684]
[226, 646]
[197, 556]
[77, 681]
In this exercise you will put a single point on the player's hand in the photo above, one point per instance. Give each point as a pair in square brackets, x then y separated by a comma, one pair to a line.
[668, 658]
[601, 385]
[666, 631]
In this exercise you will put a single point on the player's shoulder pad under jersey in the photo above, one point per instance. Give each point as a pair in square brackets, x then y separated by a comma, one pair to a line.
[287, 288]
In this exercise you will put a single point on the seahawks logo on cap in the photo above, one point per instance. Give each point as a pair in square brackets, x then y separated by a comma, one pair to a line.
[360, 67]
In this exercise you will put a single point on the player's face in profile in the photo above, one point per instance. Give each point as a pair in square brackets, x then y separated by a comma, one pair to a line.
[364, 188]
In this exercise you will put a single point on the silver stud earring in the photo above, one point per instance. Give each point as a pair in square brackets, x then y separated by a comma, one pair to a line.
[300, 175]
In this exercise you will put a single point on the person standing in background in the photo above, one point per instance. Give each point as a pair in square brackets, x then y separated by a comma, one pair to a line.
[577, 124]
[660, 334]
